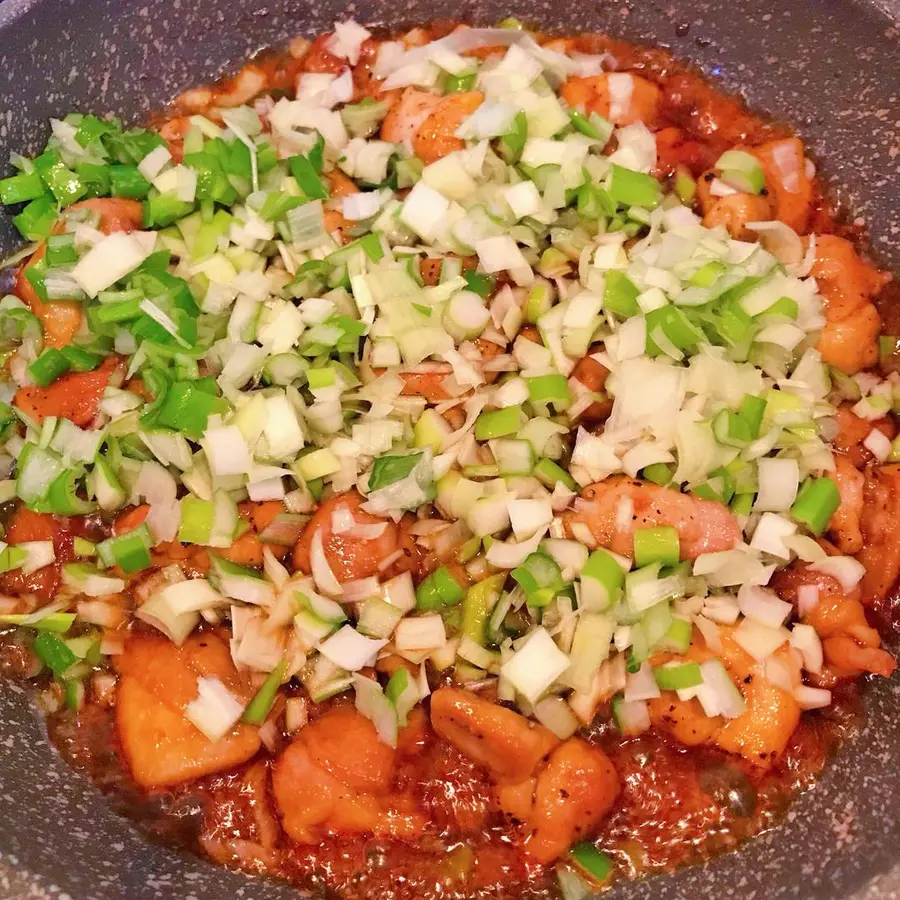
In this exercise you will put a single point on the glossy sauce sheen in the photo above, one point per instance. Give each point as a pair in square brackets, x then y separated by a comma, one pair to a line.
[676, 806]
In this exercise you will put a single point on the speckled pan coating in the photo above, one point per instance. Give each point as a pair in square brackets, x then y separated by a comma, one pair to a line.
[831, 68]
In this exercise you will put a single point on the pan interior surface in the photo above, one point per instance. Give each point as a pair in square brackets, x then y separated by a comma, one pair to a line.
[828, 68]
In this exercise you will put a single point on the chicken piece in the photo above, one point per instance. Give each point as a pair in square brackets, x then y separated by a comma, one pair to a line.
[365, 82]
[242, 807]
[675, 147]
[575, 790]
[703, 526]
[734, 212]
[158, 680]
[501, 740]
[760, 734]
[247, 550]
[319, 58]
[61, 319]
[880, 524]
[593, 375]
[407, 115]
[116, 213]
[683, 719]
[353, 557]
[844, 528]
[430, 266]
[436, 136]
[74, 396]
[430, 384]
[23, 526]
[345, 744]
[336, 777]
[848, 659]
[620, 97]
[849, 340]
[788, 182]
[839, 619]
[852, 431]
[516, 798]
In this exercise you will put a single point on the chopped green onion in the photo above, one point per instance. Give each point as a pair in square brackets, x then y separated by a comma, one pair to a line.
[630, 188]
[658, 473]
[127, 181]
[48, 367]
[129, 551]
[187, 408]
[21, 188]
[439, 589]
[685, 185]
[278, 204]
[261, 705]
[678, 676]
[498, 423]
[742, 171]
[602, 580]
[58, 623]
[552, 388]
[783, 306]
[731, 429]
[540, 577]
[483, 285]
[591, 861]
[54, 653]
[675, 325]
[61, 250]
[653, 545]
[707, 274]
[595, 127]
[677, 638]
[620, 295]
[817, 501]
[389, 469]
[549, 473]
[751, 411]
[307, 177]
[458, 84]
[512, 143]
[12, 558]
[83, 547]
[62, 496]
[80, 360]
[36, 221]
[477, 606]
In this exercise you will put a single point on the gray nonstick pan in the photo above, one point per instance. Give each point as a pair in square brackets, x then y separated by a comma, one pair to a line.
[831, 68]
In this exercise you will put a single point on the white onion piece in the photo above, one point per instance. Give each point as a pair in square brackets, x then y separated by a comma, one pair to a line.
[780, 240]
[844, 569]
[763, 605]
[506, 555]
[807, 599]
[806, 641]
[361, 589]
[811, 698]
[710, 632]
[624, 513]
[641, 685]
[324, 578]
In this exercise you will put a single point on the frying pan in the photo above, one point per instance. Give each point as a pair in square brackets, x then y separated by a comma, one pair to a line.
[830, 67]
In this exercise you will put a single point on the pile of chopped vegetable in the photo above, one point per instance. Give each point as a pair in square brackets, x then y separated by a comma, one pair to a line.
[308, 309]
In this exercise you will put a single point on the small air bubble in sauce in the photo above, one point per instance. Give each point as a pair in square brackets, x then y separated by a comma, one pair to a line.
[682, 28]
